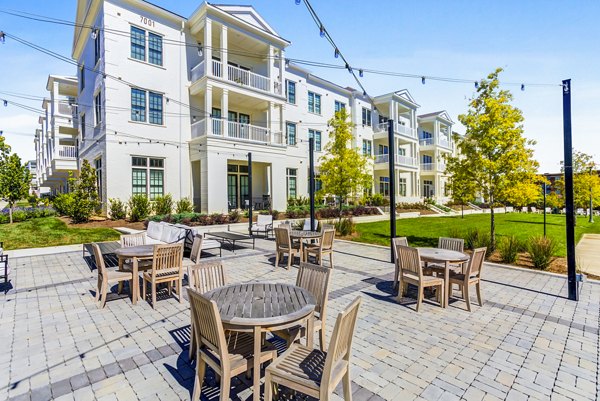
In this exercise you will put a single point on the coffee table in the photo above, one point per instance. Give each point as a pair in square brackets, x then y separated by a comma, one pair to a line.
[230, 237]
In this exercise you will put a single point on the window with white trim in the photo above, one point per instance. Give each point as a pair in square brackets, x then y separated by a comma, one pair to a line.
[147, 176]
[148, 47]
[339, 106]
[367, 147]
[402, 186]
[290, 91]
[317, 135]
[290, 131]
[98, 166]
[314, 103]
[96, 47]
[153, 108]
[384, 186]
[366, 116]
[98, 107]
[291, 182]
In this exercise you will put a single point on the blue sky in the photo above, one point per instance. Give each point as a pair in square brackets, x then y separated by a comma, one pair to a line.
[534, 41]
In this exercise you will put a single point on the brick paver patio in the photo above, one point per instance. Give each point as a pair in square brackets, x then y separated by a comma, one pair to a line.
[527, 341]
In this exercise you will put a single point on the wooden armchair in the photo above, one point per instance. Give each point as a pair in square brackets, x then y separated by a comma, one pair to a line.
[313, 372]
[452, 244]
[322, 248]
[472, 275]
[107, 277]
[283, 245]
[128, 240]
[167, 267]
[196, 251]
[204, 277]
[226, 358]
[314, 279]
[412, 273]
[395, 242]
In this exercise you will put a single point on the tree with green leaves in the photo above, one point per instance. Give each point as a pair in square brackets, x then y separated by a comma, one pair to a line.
[586, 182]
[462, 190]
[524, 193]
[343, 170]
[84, 194]
[14, 181]
[493, 153]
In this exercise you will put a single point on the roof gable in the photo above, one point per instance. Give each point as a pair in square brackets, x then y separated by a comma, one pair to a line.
[404, 94]
[247, 14]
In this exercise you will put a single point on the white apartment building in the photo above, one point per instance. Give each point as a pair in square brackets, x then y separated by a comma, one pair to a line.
[56, 139]
[168, 104]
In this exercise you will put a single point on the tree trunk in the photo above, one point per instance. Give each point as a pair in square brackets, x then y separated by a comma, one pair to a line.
[10, 212]
[462, 210]
[492, 226]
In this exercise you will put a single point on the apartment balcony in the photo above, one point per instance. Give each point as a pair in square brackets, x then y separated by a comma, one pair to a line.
[402, 131]
[432, 142]
[433, 168]
[400, 161]
[239, 132]
[236, 75]
[67, 152]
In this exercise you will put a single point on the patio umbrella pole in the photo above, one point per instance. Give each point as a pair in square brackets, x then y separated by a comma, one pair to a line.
[250, 193]
[571, 265]
[392, 172]
[311, 180]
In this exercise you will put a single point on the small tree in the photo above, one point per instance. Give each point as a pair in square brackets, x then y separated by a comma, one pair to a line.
[523, 194]
[84, 194]
[586, 183]
[462, 191]
[344, 170]
[493, 153]
[14, 181]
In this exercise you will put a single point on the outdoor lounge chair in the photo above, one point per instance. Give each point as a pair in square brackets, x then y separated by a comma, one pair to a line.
[471, 276]
[313, 372]
[264, 224]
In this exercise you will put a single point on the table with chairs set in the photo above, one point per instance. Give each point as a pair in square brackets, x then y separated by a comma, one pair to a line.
[304, 243]
[438, 268]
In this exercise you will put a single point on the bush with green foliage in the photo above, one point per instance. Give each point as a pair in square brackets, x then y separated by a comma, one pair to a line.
[476, 238]
[184, 205]
[163, 205]
[139, 207]
[62, 204]
[234, 216]
[33, 200]
[378, 200]
[509, 248]
[117, 209]
[345, 226]
[84, 194]
[411, 206]
[541, 250]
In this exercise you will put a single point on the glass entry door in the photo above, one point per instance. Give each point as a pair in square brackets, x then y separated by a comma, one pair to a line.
[244, 192]
[428, 189]
[232, 191]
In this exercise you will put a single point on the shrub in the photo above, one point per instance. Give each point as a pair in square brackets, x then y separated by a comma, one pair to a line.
[184, 205]
[476, 238]
[509, 248]
[19, 215]
[407, 205]
[62, 204]
[219, 218]
[84, 194]
[541, 251]
[163, 205]
[205, 220]
[234, 216]
[378, 200]
[345, 226]
[139, 207]
[33, 200]
[117, 209]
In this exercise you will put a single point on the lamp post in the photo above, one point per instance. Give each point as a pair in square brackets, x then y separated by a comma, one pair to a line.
[392, 171]
[544, 210]
[250, 193]
[591, 219]
[311, 180]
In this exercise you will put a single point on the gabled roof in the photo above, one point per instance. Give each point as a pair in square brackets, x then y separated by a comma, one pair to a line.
[405, 94]
[439, 114]
[248, 14]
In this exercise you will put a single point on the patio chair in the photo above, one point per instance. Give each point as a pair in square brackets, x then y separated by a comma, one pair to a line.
[196, 249]
[452, 244]
[283, 244]
[226, 358]
[313, 372]
[167, 267]
[395, 242]
[315, 280]
[264, 224]
[472, 276]
[128, 240]
[412, 273]
[322, 248]
[204, 277]
[306, 226]
[4, 269]
[106, 277]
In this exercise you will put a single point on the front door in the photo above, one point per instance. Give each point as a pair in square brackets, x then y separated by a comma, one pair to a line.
[232, 191]
[244, 192]
[428, 189]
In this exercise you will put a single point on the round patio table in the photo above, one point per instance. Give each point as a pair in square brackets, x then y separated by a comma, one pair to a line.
[135, 253]
[445, 257]
[303, 235]
[258, 307]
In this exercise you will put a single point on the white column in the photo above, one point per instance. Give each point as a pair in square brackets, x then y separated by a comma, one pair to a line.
[225, 111]
[224, 52]
[282, 124]
[208, 47]
[208, 108]
[391, 110]
[281, 65]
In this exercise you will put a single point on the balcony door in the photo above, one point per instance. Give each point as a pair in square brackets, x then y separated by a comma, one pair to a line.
[237, 186]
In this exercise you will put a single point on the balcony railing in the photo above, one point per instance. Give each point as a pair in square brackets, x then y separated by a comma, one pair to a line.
[237, 75]
[67, 152]
[65, 110]
[398, 129]
[443, 142]
[236, 131]
[399, 160]
[425, 141]
[439, 167]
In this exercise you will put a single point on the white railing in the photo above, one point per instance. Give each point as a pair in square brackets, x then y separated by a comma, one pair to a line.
[382, 158]
[405, 130]
[248, 78]
[65, 109]
[217, 68]
[441, 167]
[399, 160]
[444, 143]
[67, 152]
[427, 166]
[197, 71]
[425, 141]
[236, 131]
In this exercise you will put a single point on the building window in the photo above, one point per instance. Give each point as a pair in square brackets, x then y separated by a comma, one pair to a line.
[367, 147]
[81, 78]
[98, 166]
[291, 183]
[290, 130]
[290, 91]
[97, 48]
[384, 186]
[402, 186]
[155, 108]
[339, 106]
[154, 49]
[148, 176]
[138, 105]
[98, 107]
[314, 103]
[401, 151]
[82, 123]
[317, 135]
[366, 116]
[138, 43]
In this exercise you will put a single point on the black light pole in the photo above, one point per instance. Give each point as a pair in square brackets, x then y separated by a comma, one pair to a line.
[544, 210]
[250, 193]
[591, 220]
[392, 173]
[311, 180]
[571, 266]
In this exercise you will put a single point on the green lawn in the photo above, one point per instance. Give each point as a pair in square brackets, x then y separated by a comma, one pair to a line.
[424, 231]
[50, 231]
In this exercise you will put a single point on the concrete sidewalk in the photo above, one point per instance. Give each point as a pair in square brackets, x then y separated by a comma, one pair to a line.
[588, 254]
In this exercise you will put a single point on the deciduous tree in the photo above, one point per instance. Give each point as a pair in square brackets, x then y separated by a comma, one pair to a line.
[586, 183]
[14, 181]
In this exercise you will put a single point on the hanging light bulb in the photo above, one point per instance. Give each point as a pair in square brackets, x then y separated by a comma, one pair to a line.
[5, 103]
[522, 87]
[476, 84]
[200, 49]
[336, 53]
[322, 31]
[298, 2]
[94, 34]
[423, 80]
[360, 73]
[287, 63]
[364, 93]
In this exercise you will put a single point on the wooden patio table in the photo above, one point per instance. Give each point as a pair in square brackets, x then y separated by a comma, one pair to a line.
[258, 307]
[445, 257]
[303, 235]
[135, 253]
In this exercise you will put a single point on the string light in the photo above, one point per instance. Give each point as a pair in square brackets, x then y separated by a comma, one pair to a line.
[94, 33]
[360, 73]
[336, 53]
[522, 87]
[298, 2]
[200, 51]
[322, 31]
[476, 85]
[423, 80]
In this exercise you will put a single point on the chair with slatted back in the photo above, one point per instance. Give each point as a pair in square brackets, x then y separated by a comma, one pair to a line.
[128, 240]
[412, 273]
[204, 277]
[226, 358]
[314, 372]
[167, 267]
[107, 277]
[472, 275]
[395, 242]
[322, 248]
[452, 244]
[314, 279]
[283, 245]
[196, 248]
